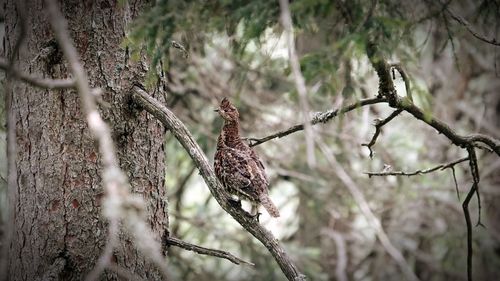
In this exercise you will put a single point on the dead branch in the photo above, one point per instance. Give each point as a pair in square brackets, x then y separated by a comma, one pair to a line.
[185, 138]
[119, 204]
[440, 167]
[468, 26]
[205, 251]
[37, 81]
[443, 128]
[379, 123]
[321, 117]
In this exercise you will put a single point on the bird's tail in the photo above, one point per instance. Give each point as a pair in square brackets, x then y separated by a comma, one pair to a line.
[269, 206]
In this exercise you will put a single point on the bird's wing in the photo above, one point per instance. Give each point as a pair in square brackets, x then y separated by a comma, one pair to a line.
[259, 163]
[236, 171]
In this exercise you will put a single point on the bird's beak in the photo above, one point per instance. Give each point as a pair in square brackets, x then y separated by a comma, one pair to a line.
[216, 110]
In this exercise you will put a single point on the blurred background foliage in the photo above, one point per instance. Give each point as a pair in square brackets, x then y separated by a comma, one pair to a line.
[236, 49]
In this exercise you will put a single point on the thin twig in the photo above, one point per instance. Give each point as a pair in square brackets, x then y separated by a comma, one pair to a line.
[440, 167]
[450, 37]
[185, 138]
[321, 117]
[119, 203]
[455, 180]
[205, 251]
[181, 187]
[467, 25]
[465, 206]
[474, 169]
[378, 126]
[37, 81]
[286, 21]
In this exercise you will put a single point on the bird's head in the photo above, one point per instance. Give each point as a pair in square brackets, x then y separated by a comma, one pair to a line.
[228, 111]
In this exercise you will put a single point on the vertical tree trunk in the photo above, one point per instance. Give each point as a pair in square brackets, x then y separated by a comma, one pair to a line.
[58, 230]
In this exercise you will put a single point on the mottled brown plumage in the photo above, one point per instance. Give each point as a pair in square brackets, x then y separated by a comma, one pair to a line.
[237, 166]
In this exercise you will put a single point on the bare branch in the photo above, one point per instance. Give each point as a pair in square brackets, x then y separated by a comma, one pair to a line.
[185, 138]
[205, 251]
[286, 21]
[468, 26]
[378, 126]
[37, 81]
[443, 128]
[474, 169]
[386, 89]
[118, 203]
[450, 38]
[440, 167]
[321, 117]
[455, 180]
[465, 206]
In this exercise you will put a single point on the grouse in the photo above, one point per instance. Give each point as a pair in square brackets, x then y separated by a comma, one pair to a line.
[237, 166]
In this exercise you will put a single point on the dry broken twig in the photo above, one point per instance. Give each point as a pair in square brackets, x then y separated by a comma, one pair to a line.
[468, 26]
[440, 167]
[205, 251]
[379, 123]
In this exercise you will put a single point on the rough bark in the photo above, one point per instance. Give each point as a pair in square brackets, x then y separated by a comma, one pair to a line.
[58, 229]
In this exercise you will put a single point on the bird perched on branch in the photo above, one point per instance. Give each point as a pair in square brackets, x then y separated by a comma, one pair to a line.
[237, 166]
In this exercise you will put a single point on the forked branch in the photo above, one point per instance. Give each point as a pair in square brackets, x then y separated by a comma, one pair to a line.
[379, 123]
[185, 138]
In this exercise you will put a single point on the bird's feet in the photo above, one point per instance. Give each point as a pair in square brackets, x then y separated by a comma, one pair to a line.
[236, 203]
[254, 216]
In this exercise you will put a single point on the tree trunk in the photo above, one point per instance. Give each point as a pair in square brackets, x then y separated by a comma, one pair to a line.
[58, 229]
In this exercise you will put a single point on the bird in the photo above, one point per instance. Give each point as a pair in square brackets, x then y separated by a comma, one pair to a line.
[237, 166]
